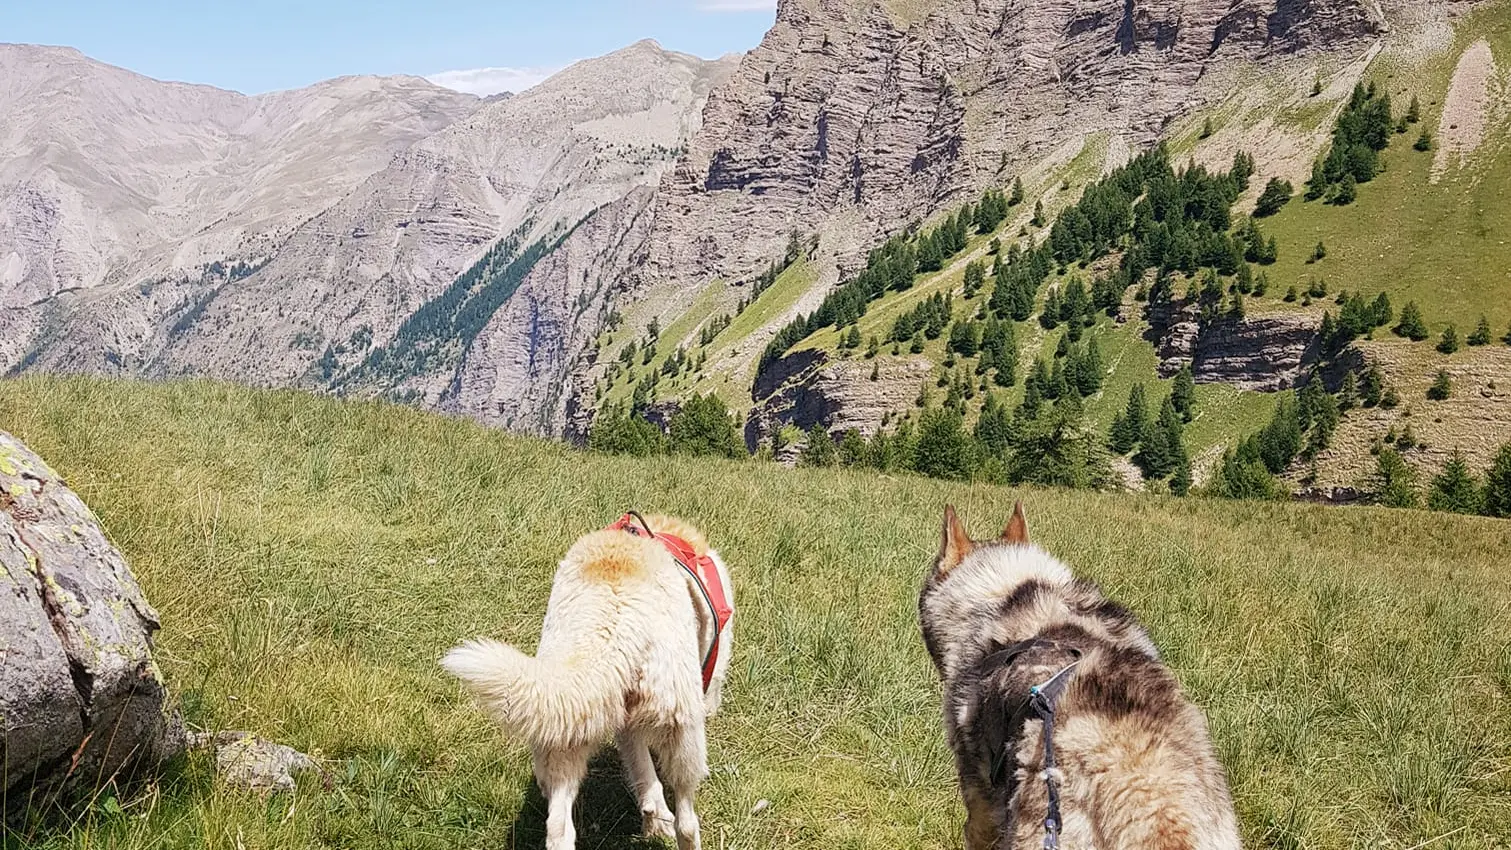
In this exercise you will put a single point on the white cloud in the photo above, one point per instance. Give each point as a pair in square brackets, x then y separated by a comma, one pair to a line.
[486, 81]
[736, 5]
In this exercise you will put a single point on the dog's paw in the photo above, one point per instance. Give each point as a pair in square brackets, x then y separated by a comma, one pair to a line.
[658, 825]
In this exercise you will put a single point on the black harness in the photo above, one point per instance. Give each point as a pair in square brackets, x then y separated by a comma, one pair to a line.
[1041, 701]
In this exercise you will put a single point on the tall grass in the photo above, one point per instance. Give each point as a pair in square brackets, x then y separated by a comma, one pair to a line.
[312, 559]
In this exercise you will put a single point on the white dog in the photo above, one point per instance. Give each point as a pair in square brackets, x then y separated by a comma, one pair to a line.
[635, 644]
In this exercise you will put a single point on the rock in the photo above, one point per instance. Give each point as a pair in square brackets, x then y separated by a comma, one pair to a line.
[837, 395]
[248, 761]
[80, 697]
[895, 110]
[1261, 353]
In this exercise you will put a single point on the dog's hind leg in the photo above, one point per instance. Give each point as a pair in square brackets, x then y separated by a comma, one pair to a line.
[559, 774]
[656, 818]
[684, 759]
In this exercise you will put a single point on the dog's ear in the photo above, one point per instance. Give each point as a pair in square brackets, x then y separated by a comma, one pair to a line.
[954, 543]
[1016, 532]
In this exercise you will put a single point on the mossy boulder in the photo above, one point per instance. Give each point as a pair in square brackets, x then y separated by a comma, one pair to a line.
[81, 701]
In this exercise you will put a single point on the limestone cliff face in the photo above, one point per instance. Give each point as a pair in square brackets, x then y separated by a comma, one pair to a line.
[895, 108]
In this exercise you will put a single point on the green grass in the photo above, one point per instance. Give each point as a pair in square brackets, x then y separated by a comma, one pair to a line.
[312, 559]
[1445, 245]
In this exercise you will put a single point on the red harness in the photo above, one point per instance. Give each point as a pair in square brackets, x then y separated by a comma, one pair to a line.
[704, 573]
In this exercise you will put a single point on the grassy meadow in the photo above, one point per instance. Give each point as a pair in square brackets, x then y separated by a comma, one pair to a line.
[312, 559]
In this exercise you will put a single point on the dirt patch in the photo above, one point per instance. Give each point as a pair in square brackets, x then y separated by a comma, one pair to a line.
[1466, 109]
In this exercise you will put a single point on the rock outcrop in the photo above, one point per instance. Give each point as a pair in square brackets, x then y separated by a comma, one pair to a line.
[836, 396]
[1262, 353]
[893, 109]
[80, 697]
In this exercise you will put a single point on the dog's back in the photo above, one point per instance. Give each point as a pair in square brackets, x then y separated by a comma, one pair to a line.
[619, 645]
[1135, 766]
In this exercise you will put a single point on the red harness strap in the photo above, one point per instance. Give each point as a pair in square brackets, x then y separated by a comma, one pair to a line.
[704, 573]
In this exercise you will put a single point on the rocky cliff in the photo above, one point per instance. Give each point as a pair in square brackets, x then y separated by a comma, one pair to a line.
[893, 109]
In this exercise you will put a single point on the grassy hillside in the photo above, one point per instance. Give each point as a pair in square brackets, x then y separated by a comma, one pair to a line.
[312, 559]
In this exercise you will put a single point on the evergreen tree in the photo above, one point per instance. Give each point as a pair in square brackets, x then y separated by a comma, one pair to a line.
[1481, 335]
[1413, 111]
[1183, 394]
[1454, 489]
[1162, 448]
[1424, 141]
[1347, 192]
[1277, 193]
[1442, 386]
[852, 448]
[1449, 342]
[820, 450]
[1380, 310]
[1243, 475]
[1348, 392]
[1038, 219]
[1373, 386]
[618, 431]
[1206, 129]
[1497, 496]
[873, 348]
[1017, 195]
[876, 370]
[975, 277]
[1411, 325]
[1394, 483]
[704, 427]
[852, 339]
[1180, 480]
[1129, 427]
[916, 347]
[943, 450]
[994, 428]
[930, 257]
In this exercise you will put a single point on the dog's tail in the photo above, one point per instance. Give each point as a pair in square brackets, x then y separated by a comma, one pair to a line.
[545, 704]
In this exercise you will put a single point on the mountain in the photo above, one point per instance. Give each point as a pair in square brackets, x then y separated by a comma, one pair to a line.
[370, 225]
[647, 226]
[110, 180]
[853, 122]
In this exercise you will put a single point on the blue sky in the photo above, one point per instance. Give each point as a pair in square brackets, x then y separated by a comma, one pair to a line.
[484, 46]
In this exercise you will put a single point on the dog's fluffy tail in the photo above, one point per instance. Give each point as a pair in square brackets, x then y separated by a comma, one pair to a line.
[545, 704]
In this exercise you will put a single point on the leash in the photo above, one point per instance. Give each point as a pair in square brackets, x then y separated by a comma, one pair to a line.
[1042, 699]
[713, 609]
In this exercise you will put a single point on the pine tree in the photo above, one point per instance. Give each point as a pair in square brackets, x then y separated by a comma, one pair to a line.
[1413, 111]
[1183, 394]
[1130, 425]
[1454, 489]
[1442, 386]
[1038, 219]
[876, 370]
[1348, 192]
[1497, 496]
[1424, 141]
[1373, 386]
[852, 448]
[820, 450]
[1161, 449]
[1481, 335]
[1412, 326]
[916, 347]
[704, 427]
[852, 339]
[944, 450]
[1206, 129]
[975, 276]
[1017, 196]
[1380, 311]
[1348, 392]
[1180, 480]
[873, 348]
[994, 428]
[1277, 193]
[1449, 342]
[1394, 484]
